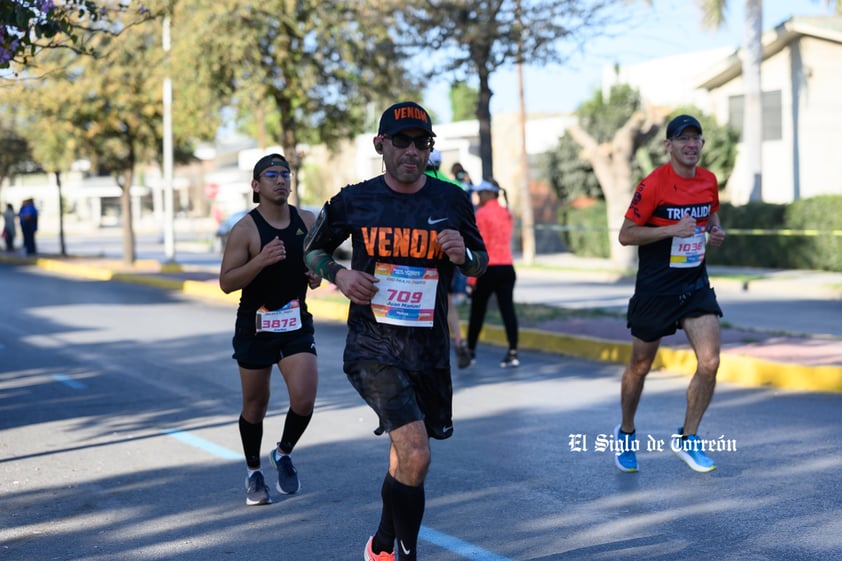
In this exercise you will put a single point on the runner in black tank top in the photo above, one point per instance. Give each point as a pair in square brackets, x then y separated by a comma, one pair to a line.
[281, 282]
[264, 258]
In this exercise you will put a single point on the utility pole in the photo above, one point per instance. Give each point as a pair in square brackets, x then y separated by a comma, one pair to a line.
[167, 172]
[527, 219]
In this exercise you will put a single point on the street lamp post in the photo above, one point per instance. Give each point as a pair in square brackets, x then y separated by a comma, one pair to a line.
[169, 215]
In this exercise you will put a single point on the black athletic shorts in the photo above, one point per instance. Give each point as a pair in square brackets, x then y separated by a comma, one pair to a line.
[400, 397]
[653, 317]
[256, 351]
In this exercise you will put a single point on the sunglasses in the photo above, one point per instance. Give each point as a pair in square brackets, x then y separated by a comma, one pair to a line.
[403, 141]
[275, 174]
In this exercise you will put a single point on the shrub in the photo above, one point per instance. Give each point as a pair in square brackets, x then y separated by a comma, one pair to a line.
[804, 234]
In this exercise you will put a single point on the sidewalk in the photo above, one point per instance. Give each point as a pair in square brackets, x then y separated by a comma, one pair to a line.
[749, 356]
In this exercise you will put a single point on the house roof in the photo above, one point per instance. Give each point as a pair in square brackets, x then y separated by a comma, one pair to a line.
[828, 28]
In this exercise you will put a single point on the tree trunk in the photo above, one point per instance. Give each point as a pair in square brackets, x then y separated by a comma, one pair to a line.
[61, 245]
[753, 107]
[126, 211]
[527, 218]
[612, 165]
[484, 118]
[289, 142]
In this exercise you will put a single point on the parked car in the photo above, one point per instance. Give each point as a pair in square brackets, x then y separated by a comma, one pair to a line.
[225, 228]
[342, 252]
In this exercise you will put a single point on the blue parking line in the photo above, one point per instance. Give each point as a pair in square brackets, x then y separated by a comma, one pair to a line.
[457, 546]
[202, 444]
[461, 548]
[69, 382]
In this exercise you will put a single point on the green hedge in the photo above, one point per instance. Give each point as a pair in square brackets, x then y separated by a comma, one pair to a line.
[586, 230]
[775, 236]
[799, 235]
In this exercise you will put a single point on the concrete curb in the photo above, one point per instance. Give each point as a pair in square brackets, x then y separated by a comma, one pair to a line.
[739, 369]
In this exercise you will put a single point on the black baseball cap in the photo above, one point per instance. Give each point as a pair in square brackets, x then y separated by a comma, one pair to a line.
[677, 125]
[405, 115]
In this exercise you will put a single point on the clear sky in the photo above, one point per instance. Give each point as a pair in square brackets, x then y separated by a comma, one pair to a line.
[667, 27]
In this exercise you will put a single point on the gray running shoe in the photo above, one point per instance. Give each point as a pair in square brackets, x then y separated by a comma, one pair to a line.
[257, 493]
[288, 482]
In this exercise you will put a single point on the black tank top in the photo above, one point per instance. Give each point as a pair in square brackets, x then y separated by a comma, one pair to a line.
[283, 281]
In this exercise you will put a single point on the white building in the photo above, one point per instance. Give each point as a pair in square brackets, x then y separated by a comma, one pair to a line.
[802, 108]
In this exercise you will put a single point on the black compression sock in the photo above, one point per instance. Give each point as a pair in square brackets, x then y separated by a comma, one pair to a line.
[384, 538]
[409, 505]
[251, 434]
[294, 427]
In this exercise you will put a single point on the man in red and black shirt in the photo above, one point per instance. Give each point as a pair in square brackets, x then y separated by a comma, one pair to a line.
[672, 212]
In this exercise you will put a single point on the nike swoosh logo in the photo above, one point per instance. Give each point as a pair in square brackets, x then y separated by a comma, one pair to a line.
[404, 549]
[430, 220]
[448, 428]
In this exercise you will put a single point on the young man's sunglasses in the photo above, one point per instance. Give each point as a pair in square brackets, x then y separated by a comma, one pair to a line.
[271, 174]
[403, 141]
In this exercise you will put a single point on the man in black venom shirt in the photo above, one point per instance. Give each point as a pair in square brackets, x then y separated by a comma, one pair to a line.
[409, 231]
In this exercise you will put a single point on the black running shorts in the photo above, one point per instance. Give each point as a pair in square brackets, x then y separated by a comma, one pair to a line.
[400, 397]
[256, 351]
[653, 317]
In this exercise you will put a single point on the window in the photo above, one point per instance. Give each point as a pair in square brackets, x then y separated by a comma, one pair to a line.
[772, 114]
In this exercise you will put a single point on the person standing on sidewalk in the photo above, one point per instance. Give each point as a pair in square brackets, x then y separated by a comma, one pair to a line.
[264, 258]
[409, 231]
[28, 215]
[670, 213]
[496, 224]
[9, 227]
[461, 175]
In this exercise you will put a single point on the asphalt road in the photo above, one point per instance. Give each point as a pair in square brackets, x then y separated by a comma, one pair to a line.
[118, 440]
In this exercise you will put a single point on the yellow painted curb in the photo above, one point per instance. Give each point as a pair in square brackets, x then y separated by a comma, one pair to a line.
[327, 310]
[76, 269]
[739, 369]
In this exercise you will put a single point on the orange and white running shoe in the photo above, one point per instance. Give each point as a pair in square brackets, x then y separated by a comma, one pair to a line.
[369, 555]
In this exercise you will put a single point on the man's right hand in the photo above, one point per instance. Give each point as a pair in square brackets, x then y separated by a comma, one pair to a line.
[273, 252]
[685, 227]
[359, 287]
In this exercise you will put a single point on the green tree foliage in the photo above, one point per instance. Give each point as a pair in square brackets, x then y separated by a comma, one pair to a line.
[477, 38]
[572, 177]
[620, 145]
[30, 26]
[15, 154]
[316, 66]
[463, 101]
[105, 108]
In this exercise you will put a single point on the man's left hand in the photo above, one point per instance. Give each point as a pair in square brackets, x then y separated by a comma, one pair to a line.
[453, 245]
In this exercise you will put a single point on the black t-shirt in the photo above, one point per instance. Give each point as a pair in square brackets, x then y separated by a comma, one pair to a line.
[392, 228]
